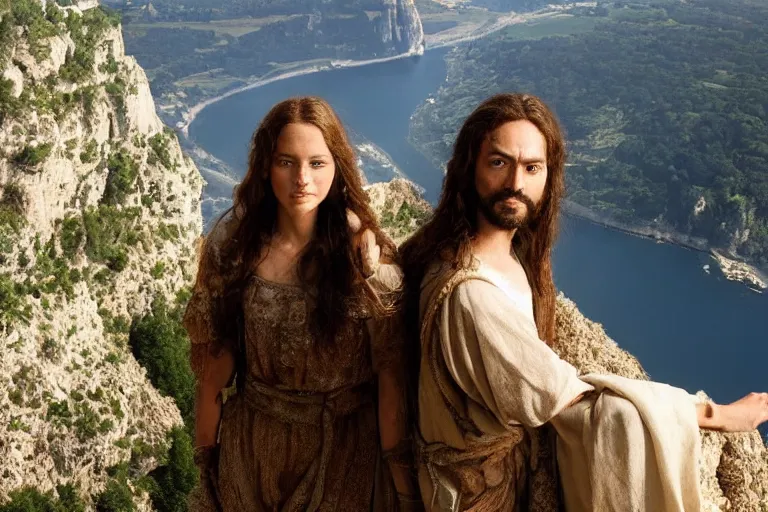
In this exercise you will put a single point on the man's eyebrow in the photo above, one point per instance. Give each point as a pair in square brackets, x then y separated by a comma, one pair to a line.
[495, 150]
[286, 155]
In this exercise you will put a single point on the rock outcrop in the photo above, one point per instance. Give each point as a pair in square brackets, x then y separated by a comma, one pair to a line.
[399, 206]
[401, 24]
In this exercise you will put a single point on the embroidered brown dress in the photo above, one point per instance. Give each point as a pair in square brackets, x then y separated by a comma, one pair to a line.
[302, 434]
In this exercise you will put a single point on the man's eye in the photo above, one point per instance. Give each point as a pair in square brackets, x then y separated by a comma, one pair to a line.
[497, 162]
[532, 168]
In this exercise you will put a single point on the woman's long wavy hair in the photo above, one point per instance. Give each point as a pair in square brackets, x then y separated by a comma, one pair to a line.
[329, 267]
[454, 222]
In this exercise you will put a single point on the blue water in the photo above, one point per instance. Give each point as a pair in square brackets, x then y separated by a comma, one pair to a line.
[686, 327]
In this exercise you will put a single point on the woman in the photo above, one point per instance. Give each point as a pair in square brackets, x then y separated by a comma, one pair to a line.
[285, 306]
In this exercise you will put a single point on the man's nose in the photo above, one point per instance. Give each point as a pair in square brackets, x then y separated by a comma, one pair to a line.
[516, 178]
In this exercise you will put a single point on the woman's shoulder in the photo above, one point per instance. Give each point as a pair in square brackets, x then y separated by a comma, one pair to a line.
[220, 234]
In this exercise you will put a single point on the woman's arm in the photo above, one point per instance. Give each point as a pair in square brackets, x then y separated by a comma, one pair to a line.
[217, 373]
[213, 374]
[393, 431]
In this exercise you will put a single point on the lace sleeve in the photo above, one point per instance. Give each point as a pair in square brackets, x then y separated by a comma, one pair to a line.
[200, 325]
[200, 318]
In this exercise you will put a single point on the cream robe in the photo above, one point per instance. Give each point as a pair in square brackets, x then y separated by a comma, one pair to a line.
[487, 380]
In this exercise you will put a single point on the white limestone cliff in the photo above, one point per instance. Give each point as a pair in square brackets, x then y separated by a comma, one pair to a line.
[401, 25]
[75, 400]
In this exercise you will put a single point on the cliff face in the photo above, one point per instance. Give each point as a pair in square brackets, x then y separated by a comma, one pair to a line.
[734, 467]
[99, 215]
[344, 30]
[402, 25]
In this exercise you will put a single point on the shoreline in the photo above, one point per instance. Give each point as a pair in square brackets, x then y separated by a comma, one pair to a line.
[732, 269]
[195, 110]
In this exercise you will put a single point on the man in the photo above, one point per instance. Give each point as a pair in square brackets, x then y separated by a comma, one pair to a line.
[480, 271]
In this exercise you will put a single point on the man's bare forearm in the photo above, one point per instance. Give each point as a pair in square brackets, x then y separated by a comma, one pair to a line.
[709, 416]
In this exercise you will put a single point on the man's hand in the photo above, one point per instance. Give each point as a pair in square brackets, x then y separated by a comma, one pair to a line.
[364, 244]
[742, 415]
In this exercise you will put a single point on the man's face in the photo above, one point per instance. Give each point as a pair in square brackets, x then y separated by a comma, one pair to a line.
[511, 174]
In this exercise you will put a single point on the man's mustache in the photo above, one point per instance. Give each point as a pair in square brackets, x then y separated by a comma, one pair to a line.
[508, 193]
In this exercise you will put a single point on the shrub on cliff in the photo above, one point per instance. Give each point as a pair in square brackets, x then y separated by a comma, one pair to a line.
[9, 104]
[29, 499]
[171, 483]
[122, 175]
[117, 497]
[109, 232]
[29, 14]
[32, 156]
[160, 344]
[13, 306]
[86, 32]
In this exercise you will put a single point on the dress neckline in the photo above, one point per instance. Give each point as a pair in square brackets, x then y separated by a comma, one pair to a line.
[277, 284]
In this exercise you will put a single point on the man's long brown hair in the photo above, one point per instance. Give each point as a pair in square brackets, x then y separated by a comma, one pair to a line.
[454, 222]
[328, 266]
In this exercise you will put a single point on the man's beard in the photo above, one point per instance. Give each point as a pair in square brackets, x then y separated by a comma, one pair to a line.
[505, 216]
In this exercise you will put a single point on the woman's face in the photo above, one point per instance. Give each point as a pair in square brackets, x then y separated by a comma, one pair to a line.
[302, 169]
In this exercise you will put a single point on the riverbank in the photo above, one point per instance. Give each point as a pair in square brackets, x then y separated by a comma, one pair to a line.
[732, 269]
[739, 271]
[194, 111]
